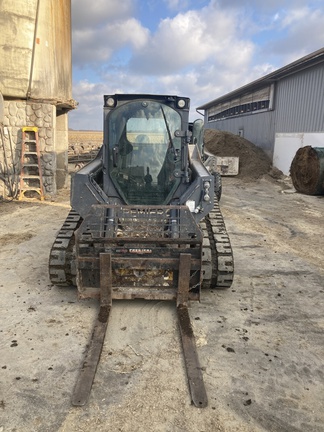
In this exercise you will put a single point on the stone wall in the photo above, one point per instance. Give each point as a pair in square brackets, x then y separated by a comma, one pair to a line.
[17, 114]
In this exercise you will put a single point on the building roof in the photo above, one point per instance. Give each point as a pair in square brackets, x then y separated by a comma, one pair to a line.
[303, 63]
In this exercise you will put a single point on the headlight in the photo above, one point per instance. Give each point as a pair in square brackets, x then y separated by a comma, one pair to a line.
[181, 103]
[110, 102]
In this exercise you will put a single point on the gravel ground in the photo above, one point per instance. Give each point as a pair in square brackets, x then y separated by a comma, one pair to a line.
[260, 343]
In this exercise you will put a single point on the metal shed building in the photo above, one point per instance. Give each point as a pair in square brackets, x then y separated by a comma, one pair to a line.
[279, 112]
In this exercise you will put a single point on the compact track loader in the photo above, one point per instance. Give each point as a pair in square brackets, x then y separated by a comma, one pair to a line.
[145, 222]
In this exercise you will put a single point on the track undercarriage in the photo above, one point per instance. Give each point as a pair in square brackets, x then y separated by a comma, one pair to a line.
[217, 255]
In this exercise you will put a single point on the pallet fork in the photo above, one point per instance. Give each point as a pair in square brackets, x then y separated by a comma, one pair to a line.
[87, 373]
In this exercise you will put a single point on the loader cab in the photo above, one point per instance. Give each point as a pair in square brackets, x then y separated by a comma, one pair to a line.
[144, 143]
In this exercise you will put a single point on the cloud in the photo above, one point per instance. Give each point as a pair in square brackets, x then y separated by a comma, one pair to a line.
[189, 39]
[261, 6]
[102, 29]
[88, 115]
[86, 14]
[303, 33]
[202, 52]
[98, 45]
[176, 4]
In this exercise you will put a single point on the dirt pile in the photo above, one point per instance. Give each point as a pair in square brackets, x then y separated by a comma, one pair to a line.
[253, 161]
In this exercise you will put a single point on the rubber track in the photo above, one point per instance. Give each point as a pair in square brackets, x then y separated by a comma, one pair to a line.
[218, 262]
[62, 269]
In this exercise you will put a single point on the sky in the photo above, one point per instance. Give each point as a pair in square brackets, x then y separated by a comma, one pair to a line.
[201, 49]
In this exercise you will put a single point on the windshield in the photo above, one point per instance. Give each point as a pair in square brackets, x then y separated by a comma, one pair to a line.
[144, 153]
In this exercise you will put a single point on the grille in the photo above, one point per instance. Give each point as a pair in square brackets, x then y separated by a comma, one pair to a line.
[142, 224]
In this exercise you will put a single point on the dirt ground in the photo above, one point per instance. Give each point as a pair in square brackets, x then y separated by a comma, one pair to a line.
[260, 343]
